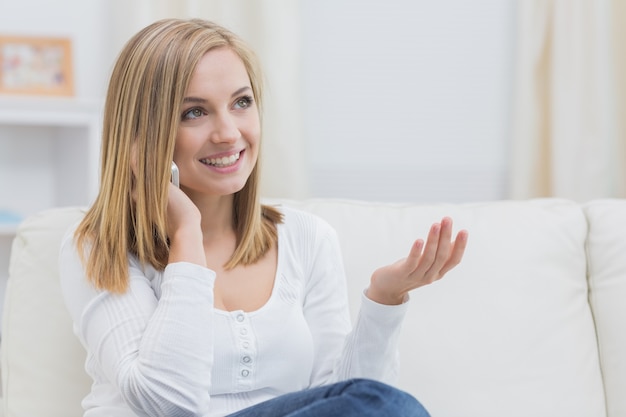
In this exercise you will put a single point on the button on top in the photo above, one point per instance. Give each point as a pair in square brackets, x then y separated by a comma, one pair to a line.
[240, 318]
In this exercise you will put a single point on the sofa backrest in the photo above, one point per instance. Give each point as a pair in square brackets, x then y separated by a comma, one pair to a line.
[508, 333]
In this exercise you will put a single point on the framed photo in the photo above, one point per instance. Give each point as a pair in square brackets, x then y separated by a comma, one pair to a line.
[36, 65]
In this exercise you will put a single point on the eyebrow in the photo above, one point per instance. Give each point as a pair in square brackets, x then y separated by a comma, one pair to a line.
[201, 100]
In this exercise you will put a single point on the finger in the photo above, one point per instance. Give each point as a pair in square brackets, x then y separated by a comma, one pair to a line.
[445, 243]
[413, 259]
[446, 229]
[458, 250]
[430, 250]
[442, 254]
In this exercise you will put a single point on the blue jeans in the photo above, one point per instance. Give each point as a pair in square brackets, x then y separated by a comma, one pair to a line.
[351, 398]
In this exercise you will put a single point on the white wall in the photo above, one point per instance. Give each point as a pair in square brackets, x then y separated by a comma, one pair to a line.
[408, 99]
[403, 100]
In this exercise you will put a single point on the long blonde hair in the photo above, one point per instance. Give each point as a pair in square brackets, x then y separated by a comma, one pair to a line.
[141, 118]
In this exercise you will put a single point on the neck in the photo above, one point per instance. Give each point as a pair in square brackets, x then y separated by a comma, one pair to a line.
[217, 215]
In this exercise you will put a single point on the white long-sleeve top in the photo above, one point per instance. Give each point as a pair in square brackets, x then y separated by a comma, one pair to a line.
[163, 349]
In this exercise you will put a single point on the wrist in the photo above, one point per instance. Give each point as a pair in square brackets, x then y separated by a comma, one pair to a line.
[384, 298]
[186, 246]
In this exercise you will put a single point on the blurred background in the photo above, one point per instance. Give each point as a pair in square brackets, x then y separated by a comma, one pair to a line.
[401, 100]
[422, 101]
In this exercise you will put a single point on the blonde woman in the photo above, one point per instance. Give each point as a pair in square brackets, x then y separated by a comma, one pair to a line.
[198, 300]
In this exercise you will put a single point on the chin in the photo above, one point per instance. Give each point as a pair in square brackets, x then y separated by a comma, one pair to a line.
[235, 188]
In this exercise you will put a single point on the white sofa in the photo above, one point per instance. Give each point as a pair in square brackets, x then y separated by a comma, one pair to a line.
[532, 323]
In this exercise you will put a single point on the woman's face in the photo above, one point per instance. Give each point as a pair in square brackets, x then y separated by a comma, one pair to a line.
[218, 138]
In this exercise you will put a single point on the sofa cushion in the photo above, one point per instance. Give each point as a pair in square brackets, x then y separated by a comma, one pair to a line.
[606, 251]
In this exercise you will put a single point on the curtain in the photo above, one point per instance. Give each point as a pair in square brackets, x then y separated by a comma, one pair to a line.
[271, 28]
[568, 136]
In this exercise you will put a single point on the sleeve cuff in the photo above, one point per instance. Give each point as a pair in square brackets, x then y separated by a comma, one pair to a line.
[382, 312]
[191, 271]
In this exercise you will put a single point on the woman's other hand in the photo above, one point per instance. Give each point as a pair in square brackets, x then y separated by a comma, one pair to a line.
[425, 264]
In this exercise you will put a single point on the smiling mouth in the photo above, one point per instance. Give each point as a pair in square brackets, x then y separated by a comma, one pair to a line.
[222, 162]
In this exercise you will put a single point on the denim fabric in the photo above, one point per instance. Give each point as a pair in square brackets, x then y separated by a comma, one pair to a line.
[351, 398]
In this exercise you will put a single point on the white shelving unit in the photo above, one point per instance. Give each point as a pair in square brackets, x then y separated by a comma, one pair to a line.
[49, 152]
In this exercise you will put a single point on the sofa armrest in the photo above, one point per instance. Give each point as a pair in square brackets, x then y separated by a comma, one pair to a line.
[42, 361]
[606, 252]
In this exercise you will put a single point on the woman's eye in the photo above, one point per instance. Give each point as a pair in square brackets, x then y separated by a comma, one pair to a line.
[243, 102]
[193, 114]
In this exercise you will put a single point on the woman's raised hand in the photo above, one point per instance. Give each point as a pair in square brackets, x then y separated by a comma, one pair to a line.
[183, 228]
[181, 211]
[426, 263]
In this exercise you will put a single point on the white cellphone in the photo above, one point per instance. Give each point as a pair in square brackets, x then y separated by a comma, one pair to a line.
[175, 180]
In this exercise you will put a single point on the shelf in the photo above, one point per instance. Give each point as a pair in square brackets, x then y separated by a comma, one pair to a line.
[49, 153]
[45, 111]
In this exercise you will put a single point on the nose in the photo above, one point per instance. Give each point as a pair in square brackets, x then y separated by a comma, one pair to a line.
[225, 128]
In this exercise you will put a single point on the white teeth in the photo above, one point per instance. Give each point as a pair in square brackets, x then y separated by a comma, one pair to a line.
[222, 162]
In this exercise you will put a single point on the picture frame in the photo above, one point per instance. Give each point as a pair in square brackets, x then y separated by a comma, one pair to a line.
[36, 66]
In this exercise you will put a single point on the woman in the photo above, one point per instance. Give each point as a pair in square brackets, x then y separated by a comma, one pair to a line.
[198, 300]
